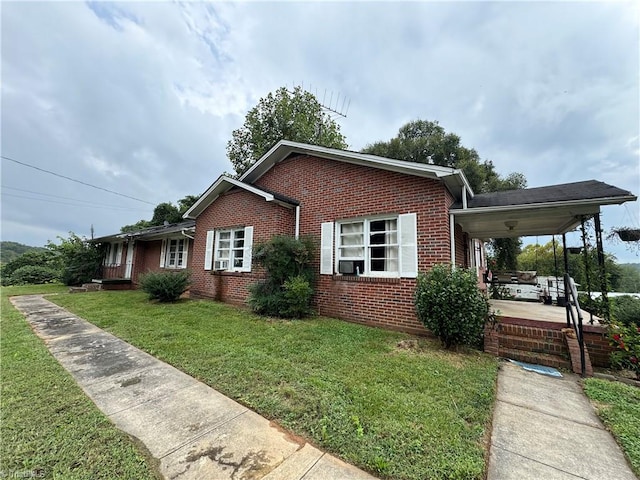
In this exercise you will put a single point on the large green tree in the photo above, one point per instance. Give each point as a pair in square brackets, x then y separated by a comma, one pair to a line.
[424, 141]
[283, 115]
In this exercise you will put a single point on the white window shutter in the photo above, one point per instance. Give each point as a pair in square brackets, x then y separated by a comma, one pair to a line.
[408, 226]
[248, 249]
[208, 250]
[163, 252]
[326, 248]
[185, 254]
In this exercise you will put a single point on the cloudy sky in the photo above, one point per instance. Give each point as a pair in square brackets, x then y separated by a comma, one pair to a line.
[141, 98]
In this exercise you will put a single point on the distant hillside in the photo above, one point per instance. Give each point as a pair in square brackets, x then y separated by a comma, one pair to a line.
[12, 250]
[635, 266]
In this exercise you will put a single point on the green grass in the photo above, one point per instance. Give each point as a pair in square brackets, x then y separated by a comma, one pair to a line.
[48, 427]
[422, 413]
[618, 405]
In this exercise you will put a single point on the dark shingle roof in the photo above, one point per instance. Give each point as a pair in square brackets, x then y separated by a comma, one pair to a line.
[587, 190]
[150, 231]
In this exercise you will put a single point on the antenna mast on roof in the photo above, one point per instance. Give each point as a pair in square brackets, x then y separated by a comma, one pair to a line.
[334, 108]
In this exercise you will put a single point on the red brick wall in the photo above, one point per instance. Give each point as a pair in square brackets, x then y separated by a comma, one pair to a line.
[236, 208]
[328, 191]
[146, 258]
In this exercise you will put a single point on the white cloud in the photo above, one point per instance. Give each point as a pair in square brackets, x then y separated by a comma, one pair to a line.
[152, 91]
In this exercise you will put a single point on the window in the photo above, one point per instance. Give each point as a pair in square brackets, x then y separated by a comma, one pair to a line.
[372, 246]
[231, 249]
[113, 254]
[380, 246]
[174, 253]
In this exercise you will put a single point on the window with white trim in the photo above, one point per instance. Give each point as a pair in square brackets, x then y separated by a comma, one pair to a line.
[232, 249]
[377, 246]
[371, 244]
[174, 253]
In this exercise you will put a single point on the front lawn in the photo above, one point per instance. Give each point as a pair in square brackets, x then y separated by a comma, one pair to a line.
[48, 427]
[618, 405]
[406, 412]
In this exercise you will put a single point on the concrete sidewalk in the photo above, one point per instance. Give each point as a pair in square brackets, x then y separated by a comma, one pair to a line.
[545, 428]
[194, 431]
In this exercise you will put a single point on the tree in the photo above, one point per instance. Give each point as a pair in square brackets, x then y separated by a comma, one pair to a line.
[79, 258]
[283, 115]
[424, 141]
[540, 258]
[164, 212]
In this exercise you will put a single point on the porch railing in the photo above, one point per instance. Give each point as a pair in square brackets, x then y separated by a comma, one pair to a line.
[571, 296]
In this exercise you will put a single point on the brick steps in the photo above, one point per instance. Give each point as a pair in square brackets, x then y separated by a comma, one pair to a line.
[537, 358]
[552, 346]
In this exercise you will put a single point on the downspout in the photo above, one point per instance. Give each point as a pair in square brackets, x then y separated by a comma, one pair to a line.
[464, 197]
[188, 236]
[297, 221]
[452, 232]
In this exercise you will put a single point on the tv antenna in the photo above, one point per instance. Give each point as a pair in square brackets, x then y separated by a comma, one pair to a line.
[333, 106]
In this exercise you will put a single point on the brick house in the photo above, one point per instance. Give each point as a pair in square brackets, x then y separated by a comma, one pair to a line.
[154, 249]
[376, 221]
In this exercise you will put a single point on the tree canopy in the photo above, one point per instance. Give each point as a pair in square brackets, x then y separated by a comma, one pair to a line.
[164, 212]
[424, 141]
[283, 115]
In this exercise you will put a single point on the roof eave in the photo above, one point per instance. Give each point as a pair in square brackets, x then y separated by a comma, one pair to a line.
[450, 176]
[525, 206]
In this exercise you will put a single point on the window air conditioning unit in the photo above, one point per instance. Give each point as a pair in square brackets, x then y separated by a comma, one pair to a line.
[221, 265]
[347, 267]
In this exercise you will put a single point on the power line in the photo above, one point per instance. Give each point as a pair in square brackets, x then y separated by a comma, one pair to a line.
[84, 202]
[73, 179]
[69, 204]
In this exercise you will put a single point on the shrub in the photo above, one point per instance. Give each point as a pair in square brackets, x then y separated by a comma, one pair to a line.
[626, 310]
[34, 258]
[165, 286]
[626, 343]
[287, 290]
[449, 303]
[81, 260]
[33, 274]
[624, 333]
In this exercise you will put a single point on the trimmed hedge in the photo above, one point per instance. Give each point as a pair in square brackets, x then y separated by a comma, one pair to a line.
[165, 286]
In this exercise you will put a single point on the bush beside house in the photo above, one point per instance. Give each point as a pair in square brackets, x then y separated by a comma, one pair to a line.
[450, 304]
[165, 286]
[287, 289]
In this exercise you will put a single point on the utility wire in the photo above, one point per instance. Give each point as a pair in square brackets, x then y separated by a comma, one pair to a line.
[84, 202]
[69, 204]
[73, 179]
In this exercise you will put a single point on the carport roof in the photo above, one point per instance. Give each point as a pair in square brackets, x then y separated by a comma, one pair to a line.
[549, 210]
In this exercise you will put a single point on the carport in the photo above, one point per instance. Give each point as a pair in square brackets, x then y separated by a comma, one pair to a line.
[549, 210]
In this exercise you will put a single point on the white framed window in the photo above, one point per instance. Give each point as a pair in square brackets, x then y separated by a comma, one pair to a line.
[113, 255]
[384, 246]
[174, 253]
[368, 247]
[231, 249]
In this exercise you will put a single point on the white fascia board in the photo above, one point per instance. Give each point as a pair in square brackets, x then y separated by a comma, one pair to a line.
[284, 148]
[529, 206]
[220, 186]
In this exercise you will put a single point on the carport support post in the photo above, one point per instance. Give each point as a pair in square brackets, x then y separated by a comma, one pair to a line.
[585, 255]
[603, 273]
[565, 255]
